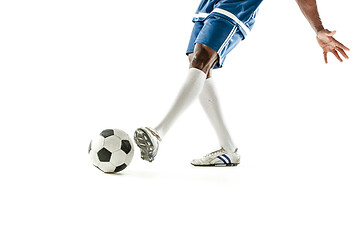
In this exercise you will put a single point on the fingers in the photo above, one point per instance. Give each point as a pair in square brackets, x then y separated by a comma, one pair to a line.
[339, 44]
[325, 57]
[342, 52]
[333, 51]
[336, 55]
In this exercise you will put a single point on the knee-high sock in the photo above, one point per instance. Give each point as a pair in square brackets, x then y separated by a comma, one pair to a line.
[188, 93]
[210, 103]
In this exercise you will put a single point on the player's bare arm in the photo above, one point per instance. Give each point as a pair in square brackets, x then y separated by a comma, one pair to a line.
[324, 37]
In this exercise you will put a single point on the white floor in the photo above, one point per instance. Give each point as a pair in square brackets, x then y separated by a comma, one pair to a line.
[71, 69]
[171, 199]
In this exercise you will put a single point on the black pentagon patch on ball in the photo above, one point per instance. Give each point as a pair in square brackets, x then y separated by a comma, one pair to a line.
[125, 146]
[89, 147]
[107, 133]
[120, 168]
[104, 155]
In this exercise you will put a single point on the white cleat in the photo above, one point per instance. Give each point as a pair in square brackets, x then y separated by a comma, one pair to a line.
[147, 139]
[218, 158]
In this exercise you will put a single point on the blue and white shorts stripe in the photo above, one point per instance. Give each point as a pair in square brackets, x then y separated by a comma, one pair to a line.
[240, 12]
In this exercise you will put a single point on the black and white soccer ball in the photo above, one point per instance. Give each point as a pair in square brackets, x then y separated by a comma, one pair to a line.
[111, 151]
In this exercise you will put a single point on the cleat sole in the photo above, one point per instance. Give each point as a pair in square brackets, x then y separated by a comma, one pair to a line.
[142, 140]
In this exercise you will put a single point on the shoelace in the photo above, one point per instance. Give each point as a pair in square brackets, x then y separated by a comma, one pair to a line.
[221, 150]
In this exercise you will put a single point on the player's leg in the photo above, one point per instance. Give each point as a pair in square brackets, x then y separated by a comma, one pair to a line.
[210, 102]
[208, 44]
[147, 138]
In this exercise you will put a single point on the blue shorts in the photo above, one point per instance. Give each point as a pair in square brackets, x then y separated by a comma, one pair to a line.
[217, 33]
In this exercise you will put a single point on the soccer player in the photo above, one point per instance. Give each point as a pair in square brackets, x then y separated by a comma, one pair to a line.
[219, 25]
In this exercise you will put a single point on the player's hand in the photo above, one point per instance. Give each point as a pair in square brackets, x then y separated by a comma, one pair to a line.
[330, 44]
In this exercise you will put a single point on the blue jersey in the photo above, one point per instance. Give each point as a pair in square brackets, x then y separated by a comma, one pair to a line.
[241, 12]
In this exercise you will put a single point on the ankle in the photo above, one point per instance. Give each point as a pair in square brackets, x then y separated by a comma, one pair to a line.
[229, 149]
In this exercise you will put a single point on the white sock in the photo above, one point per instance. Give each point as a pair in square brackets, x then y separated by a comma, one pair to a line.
[210, 103]
[189, 92]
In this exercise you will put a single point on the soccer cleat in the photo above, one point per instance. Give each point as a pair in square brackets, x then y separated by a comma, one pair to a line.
[218, 158]
[147, 139]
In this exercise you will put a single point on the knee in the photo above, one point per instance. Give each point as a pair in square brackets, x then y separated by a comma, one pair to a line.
[203, 58]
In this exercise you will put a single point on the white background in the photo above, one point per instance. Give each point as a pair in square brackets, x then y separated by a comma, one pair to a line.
[69, 69]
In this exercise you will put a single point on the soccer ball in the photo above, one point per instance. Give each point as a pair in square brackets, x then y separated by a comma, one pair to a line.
[111, 151]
